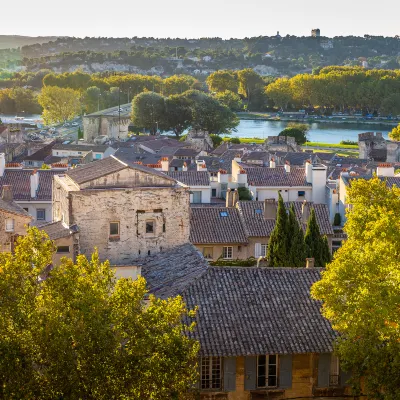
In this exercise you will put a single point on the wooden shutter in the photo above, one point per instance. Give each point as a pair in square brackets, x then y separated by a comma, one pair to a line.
[324, 365]
[229, 374]
[257, 250]
[250, 373]
[285, 371]
[344, 377]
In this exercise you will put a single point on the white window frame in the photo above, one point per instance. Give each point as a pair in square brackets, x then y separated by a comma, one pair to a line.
[209, 368]
[44, 214]
[260, 250]
[9, 225]
[267, 374]
[227, 252]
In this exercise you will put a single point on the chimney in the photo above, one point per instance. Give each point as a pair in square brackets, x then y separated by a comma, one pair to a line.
[184, 167]
[7, 194]
[310, 262]
[386, 170]
[287, 166]
[272, 163]
[2, 164]
[235, 198]
[201, 165]
[164, 164]
[34, 183]
[238, 158]
[305, 212]
[308, 171]
[269, 209]
[229, 198]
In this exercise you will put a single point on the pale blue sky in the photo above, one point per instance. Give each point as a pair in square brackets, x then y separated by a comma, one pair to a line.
[200, 18]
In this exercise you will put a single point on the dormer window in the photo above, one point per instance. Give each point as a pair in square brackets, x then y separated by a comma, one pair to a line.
[223, 213]
[258, 211]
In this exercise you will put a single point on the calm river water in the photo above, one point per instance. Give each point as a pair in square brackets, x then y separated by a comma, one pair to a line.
[319, 132]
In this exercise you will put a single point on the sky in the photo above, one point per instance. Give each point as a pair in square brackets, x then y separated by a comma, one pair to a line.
[199, 18]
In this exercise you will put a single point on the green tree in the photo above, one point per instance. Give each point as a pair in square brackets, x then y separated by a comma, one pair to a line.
[252, 87]
[178, 84]
[216, 139]
[80, 133]
[221, 81]
[91, 99]
[395, 133]
[148, 111]
[178, 114]
[75, 332]
[297, 249]
[244, 193]
[316, 246]
[360, 289]
[59, 104]
[25, 100]
[297, 134]
[391, 104]
[230, 99]
[277, 253]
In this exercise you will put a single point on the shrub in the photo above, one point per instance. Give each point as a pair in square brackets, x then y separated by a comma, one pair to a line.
[244, 194]
[235, 140]
[217, 140]
[352, 142]
[337, 219]
[250, 262]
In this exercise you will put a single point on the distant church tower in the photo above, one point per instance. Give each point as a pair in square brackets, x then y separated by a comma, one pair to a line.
[315, 33]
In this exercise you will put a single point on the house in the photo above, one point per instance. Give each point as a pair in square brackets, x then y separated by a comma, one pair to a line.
[81, 150]
[126, 210]
[154, 146]
[13, 220]
[31, 188]
[38, 158]
[66, 239]
[262, 335]
[12, 150]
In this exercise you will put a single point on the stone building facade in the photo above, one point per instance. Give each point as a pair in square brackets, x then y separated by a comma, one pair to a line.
[281, 143]
[126, 211]
[199, 140]
[113, 126]
[372, 146]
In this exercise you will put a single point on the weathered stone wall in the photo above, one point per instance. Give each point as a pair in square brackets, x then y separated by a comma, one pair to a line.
[20, 223]
[108, 125]
[91, 128]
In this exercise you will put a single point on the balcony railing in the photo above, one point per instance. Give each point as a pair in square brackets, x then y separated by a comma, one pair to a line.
[334, 380]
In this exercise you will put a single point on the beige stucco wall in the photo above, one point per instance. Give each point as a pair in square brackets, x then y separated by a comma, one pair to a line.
[20, 223]
[238, 251]
[70, 241]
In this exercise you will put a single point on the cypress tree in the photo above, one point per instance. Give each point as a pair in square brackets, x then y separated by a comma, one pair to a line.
[317, 247]
[297, 248]
[277, 254]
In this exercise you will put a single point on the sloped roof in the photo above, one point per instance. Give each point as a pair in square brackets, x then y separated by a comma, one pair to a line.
[256, 225]
[100, 148]
[191, 178]
[20, 180]
[251, 311]
[209, 225]
[58, 230]
[296, 158]
[13, 208]
[277, 177]
[41, 154]
[168, 273]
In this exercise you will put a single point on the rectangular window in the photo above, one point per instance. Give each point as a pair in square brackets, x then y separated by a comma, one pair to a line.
[9, 225]
[114, 228]
[227, 252]
[41, 214]
[264, 248]
[62, 249]
[334, 371]
[208, 253]
[211, 373]
[301, 193]
[149, 226]
[26, 209]
[267, 371]
[196, 197]
[98, 156]
[213, 192]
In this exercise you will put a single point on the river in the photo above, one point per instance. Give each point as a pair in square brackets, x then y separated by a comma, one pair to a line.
[319, 131]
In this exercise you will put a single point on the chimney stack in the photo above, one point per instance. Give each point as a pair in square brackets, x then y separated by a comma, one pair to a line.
[235, 198]
[269, 209]
[184, 167]
[229, 198]
[272, 163]
[34, 183]
[305, 212]
[7, 194]
[308, 171]
[164, 164]
[310, 262]
[2, 164]
[287, 166]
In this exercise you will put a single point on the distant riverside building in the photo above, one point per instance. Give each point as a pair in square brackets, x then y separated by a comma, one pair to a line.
[315, 33]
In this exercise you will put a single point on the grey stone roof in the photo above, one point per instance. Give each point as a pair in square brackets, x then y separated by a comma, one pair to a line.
[251, 311]
[41, 154]
[168, 273]
[183, 152]
[257, 226]
[213, 164]
[100, 148]
[296, 158]
[13, 208]
[208, 225]
[58, 230]
[256, 155]
[106, 166]
[158, 143]
[191, 178]
[277, 177]
[127, 154]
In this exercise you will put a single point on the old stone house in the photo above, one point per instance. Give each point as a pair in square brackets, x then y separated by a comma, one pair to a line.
[373, 146]
[125, 210]
[13, 220]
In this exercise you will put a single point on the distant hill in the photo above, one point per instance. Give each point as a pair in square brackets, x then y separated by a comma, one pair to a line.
[13, 41]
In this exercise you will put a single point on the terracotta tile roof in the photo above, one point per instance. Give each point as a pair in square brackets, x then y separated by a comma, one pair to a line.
[251, 311]
[209, 225]
[20, 180]
[168, 273]
[277, 177]
[191, 178]
[257, 226]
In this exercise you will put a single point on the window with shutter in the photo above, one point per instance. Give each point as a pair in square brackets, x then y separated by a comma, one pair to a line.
[257, 250]
[324, 363]
[267, 371]
[211, 373]
[250, 372]
[285, 371]
[230, 374]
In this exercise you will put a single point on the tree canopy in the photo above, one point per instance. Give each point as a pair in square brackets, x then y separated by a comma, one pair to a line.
[75, 332]
[395, 133]
[360, 289]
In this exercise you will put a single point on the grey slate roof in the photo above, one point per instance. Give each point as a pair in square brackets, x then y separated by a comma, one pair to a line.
[41, 154]
[57, 230]
[100, 148]
[213, 164]
[158, 143]
[296, 158]
[13, 208]
[168, 273]
[191, 178]
[251, 311]
[208, 226]
[257, 226]
[277, 177]
[127, 154]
